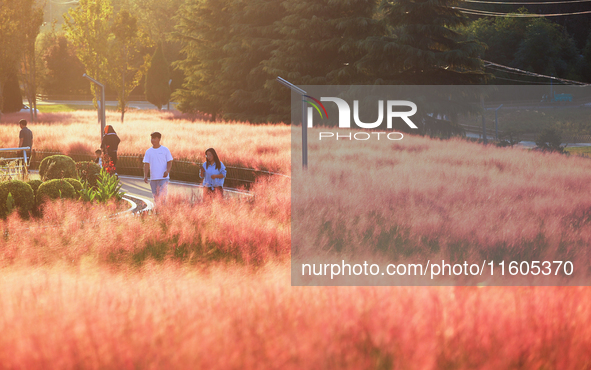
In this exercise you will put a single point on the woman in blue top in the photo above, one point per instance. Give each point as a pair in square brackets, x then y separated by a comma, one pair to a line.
[213, 173]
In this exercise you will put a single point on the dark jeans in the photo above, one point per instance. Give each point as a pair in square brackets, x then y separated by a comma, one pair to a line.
[216, 191]
[113, 156]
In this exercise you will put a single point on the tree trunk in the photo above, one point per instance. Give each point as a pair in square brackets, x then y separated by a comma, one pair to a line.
[1, 99]
[122, 99]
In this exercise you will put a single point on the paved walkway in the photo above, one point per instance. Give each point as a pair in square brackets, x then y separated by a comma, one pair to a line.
[136, 186]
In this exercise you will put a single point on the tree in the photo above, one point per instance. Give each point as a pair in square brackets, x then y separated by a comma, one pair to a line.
[126, 66]
[157, 20]
[10, 41]
[13, 99]
[204, 27]
[549, 140]
[157, 15]
[427, 49]
[533, 44]
[236, 48]
[87, 29]
[157, 80]
[321, 43]
[63, 69]
[30, 31]
[547, 50]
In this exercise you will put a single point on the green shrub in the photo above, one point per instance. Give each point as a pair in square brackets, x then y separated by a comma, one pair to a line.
[55, 189]
[23, 198]
[75, 184]
[89, 172]
[57, 167]
[34, 185]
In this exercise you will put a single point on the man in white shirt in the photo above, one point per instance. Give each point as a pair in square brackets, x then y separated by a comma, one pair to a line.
[158, 162]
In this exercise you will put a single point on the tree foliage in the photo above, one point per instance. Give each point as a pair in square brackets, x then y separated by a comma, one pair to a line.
[533, 44]
[87, 29]
[423, 46]
[30, 30]
[13, 98]
[127, 61]
[11, 38]
[157, 79]
[63, 69]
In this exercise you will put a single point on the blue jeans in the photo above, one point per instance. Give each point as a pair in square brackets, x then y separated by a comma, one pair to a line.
[159, 188]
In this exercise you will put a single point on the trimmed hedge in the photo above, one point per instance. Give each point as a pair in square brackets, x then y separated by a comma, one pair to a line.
[51, 190]
[57, 167]
[89, 172]
[34, 185]
[75, 184]
[22, 194]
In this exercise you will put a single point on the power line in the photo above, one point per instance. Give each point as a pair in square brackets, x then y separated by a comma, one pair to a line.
[526, 2]
[520, 74]
[534, 74]
[525, 82]
[515, 73]
[515, 15]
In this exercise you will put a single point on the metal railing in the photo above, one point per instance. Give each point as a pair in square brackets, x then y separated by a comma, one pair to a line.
[182, 169]
[13, 166]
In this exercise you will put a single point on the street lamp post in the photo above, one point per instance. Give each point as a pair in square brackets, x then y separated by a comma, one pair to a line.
[304, 123]
[101, 109]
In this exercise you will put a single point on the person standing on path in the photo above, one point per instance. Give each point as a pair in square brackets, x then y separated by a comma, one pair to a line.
[213, 173]
[110, 145]
[157, 162]
[25, 138]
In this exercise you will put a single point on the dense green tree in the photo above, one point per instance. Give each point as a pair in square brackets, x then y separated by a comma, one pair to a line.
[87, 29]
[204, 27]
[550, 140]
[63, 69]
[251, 41]
[157, 79]
[423, 45]
[126, 63]
[11, 20]
[546, 49]
[13, 98]
[320, 45]
[532, 44]
[236, 48]
[585, 62]
[30, 30]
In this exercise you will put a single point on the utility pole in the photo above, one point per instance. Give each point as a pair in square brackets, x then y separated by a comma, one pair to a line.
[101, 108]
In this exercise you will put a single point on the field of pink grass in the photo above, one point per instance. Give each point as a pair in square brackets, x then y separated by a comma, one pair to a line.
[207, 286]
[425, 196]
[264, 147]
[169, 316]
[248, 232]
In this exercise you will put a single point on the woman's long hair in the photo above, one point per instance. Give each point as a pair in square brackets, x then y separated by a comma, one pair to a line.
[109, 130]
[216, 159]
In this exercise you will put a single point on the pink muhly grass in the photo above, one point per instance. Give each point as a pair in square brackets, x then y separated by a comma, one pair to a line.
[448, 192]
[70, 231]
[168, 316]
[264, 147]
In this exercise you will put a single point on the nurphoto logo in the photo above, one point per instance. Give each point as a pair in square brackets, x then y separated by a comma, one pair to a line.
[345, 112]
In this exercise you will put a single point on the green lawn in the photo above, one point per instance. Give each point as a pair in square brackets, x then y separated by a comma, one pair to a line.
[55, 108]
[579, 150]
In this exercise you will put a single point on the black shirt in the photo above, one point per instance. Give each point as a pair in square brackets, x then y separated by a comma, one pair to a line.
[27, 137]
[112, 141]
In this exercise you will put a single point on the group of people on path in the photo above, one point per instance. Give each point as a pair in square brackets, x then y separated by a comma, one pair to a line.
[158, 163]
